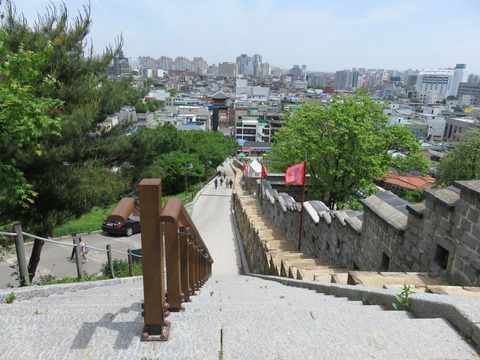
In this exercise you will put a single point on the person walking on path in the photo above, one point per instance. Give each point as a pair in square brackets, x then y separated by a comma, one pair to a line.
[221, 181]
[231, 183]
[75, 241]
[216, 183]
[224, 174]
[83, 251]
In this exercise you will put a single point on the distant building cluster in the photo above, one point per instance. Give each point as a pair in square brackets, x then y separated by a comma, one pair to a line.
[246, 99]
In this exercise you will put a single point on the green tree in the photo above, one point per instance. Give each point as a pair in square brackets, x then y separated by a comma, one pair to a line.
[172, 167]
[348, 142]
[56, 162]
[24, 118]
[462, 162]
[140, 106]
[164, 152]
[211, 147]
[173, 92]
[149, 144]
[58, 173]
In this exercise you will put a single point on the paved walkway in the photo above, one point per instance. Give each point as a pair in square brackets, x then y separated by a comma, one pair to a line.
[213, 217]
[232, 317]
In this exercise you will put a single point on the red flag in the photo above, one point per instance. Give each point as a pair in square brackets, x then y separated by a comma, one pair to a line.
[295, 175]
[245, 168]
[264, 171]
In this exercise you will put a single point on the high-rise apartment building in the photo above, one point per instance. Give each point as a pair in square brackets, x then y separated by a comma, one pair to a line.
[147, 62]
[252, 66]
[182, 63]
[227, 69]
[264, 70]
[200, 66]
[469, 93]
[256, 62]
[165, 63]
[245, 65]
[341, 79]
[317, 79]
[473, 78]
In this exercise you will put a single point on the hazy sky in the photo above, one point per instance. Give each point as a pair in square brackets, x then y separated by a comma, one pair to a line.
[324, 35]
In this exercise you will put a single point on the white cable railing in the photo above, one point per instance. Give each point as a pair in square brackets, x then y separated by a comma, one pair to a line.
[24, 276]
[65, 244]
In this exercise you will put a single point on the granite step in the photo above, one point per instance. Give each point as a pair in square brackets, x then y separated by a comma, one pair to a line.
[227, 316]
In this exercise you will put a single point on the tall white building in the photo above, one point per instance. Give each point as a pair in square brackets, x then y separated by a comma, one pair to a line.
[443, 81]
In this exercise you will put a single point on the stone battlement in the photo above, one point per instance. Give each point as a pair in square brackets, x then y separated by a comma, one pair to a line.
[440, 235]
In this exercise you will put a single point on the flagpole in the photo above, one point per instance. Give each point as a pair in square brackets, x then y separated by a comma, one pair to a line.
[263, 174]
[261, 188]
[303, 200]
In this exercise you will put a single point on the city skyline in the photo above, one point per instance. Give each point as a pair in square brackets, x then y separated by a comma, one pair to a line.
[322, 35]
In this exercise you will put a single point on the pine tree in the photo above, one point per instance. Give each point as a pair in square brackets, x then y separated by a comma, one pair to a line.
[66, 165]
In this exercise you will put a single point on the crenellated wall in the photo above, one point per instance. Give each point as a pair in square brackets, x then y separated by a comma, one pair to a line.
[440, 235]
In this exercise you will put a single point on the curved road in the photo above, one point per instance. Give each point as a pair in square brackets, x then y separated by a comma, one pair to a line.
[211, 212]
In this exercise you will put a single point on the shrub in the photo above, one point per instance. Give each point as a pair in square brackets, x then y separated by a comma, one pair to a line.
[120, 268]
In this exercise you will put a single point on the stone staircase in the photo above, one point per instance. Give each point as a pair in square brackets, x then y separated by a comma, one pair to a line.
[269, 252]
[231, 317]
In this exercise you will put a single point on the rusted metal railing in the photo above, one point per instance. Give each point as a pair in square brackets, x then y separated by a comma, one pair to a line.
[183, 260]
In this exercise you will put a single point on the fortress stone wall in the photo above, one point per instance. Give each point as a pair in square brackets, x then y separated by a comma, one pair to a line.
[439, 235]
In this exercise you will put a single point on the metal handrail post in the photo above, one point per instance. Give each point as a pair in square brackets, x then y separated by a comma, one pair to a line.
[78, 258]
[23, 276]
[110, 261]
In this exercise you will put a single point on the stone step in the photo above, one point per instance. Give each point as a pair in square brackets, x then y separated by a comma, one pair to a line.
[275, 259]
[340, 278]
[317, 273]
[289, 266]
[229, 314]
[463, 291]
[270, 233]
[277, 256]
[278, 244]
[385, 279]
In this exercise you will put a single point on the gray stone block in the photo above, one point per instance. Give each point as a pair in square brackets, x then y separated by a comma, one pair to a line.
[473, 215]
[469, 190]
[470, 242]
[465, 225]
[446, 225]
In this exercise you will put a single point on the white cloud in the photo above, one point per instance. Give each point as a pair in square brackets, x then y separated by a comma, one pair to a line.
[325, 35]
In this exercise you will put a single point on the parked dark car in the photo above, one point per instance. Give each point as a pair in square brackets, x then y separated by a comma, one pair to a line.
[127, 227]
[119, 221]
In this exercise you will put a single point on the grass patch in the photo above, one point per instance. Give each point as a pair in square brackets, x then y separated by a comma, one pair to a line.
[85, 224]
[51, 279]
[120, 267]
[92, 221]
